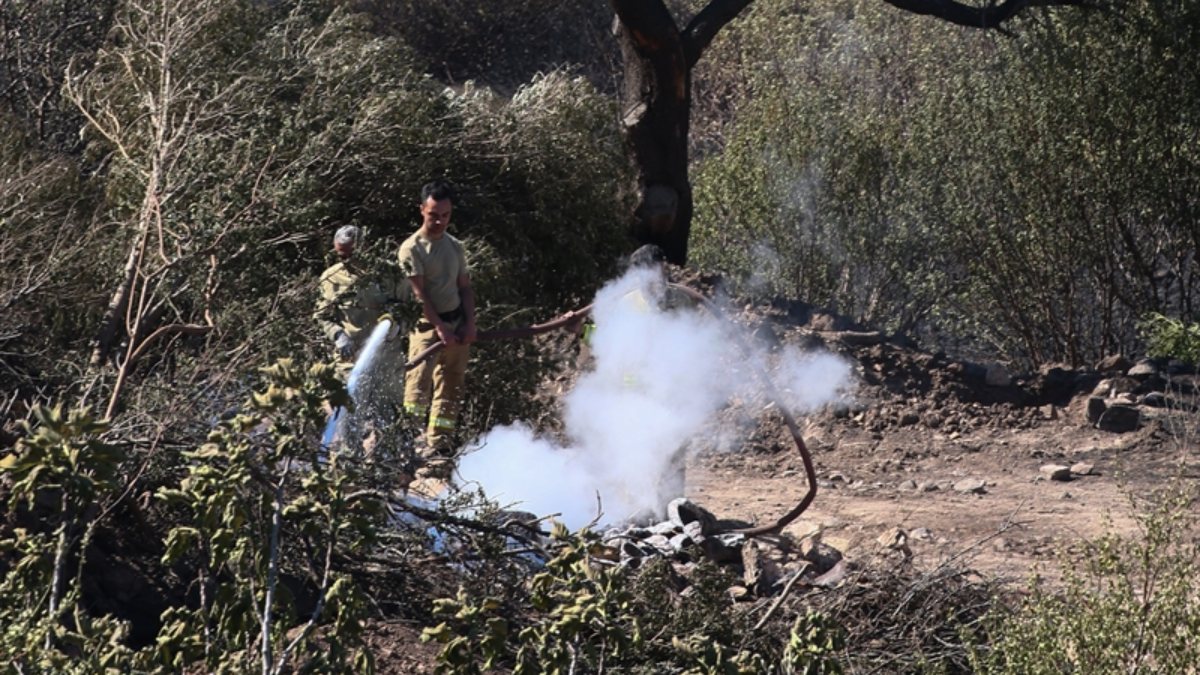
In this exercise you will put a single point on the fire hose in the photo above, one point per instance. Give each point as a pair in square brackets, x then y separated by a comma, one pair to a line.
[580, 314]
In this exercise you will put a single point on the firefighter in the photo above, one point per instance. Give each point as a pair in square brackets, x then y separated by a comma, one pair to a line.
[354, 298]
[435, 264]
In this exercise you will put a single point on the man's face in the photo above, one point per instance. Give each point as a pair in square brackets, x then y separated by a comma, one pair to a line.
[344, 251]
[435, 216]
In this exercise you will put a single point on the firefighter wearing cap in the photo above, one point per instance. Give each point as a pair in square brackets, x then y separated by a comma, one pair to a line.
[354, 298]
[435, 264]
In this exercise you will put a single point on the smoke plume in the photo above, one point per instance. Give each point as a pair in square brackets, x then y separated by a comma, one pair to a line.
[659, 377]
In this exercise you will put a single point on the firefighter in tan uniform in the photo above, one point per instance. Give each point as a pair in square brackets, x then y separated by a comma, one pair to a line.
[353, 300]
[435, 264]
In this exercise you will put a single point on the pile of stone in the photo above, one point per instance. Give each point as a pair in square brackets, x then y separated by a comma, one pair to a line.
[1116, 402]
[691, 535]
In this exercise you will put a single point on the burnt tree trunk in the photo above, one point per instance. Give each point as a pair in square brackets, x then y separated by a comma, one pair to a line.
[656, 102]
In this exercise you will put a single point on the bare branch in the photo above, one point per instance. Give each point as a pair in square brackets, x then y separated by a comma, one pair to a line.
[990, 16]
[705, 26]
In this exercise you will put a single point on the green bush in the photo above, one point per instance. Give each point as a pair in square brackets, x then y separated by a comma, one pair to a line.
[1127, 605]
[1171, 338]
[581, 614]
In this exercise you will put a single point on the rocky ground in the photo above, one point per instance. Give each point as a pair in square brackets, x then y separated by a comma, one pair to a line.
[1001, 471]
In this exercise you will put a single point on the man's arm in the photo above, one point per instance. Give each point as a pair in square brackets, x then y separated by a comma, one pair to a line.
[466, 296]
[427, 310]
[326, 314]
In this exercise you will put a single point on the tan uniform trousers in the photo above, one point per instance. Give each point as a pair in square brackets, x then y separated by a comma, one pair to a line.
[435, 387]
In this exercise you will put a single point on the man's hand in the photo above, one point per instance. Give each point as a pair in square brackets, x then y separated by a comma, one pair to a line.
[446, 335]
[344, 345]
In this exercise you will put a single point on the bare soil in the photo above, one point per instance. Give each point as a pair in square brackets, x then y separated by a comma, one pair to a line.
[921, 423]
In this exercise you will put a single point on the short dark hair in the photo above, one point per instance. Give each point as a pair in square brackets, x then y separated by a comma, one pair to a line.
[438, 189]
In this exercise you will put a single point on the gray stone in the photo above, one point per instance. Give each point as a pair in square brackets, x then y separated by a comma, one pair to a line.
[834, 576]
[1083, 468]
[694, 531]
[1114, 363]
[822, 556]
[908, 485]
[682, 511]
[1143, 369]
[739, 593]
[1120, 418]
[921, 534]
[1056, 472]
[971, 486]
[1155, 399]
[1095, 409]
[660, 544]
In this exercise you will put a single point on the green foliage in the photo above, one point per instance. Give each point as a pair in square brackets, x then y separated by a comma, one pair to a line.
[258, 501]
[586, 615]
[61, 470]
[1171, 338]
[1128, 606]
[1029, 194]
[260, 481]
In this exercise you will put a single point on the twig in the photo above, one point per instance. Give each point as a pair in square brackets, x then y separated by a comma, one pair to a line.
[779, 599]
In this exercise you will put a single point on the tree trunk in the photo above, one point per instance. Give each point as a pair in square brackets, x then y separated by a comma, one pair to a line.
[656, 111]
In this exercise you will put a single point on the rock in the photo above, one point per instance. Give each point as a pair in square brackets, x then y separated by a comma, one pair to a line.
[1114, 363]
[822, 556]
[659, 544]
[737, 593]
[695, 532]
[758, 572]
[908, 485]
[1143, 370]
[1056, 472]
[1119, 418]
[893, 538]
[834, 576]
[1155, 399]
[997, 376]
[921, 534]
[999, 544]
[927, 486]
[682, 511]
[1095, 409]
[909, 418]
[971, 486]
[1083, 468]
[724, 548]
[1049, 411]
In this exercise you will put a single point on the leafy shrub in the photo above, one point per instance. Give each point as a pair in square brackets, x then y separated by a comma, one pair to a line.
[1129, 605]
[1171, 338]
[588, 616]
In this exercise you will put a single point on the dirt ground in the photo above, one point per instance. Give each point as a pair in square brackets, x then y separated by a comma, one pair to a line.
[894, 461]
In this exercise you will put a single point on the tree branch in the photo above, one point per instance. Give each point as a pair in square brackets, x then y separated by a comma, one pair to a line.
[990, 16]
[704, 26]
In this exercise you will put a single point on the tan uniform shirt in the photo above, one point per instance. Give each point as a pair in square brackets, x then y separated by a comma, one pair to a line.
[440, 262]
[352, 300]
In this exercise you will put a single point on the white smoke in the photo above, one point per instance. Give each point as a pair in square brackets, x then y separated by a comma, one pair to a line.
[659, 377]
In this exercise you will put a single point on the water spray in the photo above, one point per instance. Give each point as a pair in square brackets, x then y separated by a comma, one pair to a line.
[362, 367]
